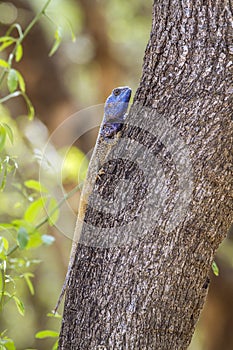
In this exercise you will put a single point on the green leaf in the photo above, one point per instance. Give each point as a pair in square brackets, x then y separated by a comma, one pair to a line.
[2, 284]
[53, 211]
[2, 281]
[4, 64]
[4, 176]
[22, 237]
[3, 256]
[6, 41]
[5, 45]
[56, 315]
[71, 31]
[12, 80]
[35, 185]
[47, 239]
[7, 38]
[35, 240]
[21, 81]
[10, 296]
[46, 334]
[7, 343]
[4, 244]
[24, 223]
[75, 164]
[4, 226]
[58, 39]
[34, 211]
[27, 277]
[2, 137]
[9, 132]
[18, 52]
[10, 345]
[55, 346]
[7, 166]
[20, 305]
[215, 269]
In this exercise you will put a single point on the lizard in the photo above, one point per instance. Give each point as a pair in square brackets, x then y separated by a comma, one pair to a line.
[114, 117]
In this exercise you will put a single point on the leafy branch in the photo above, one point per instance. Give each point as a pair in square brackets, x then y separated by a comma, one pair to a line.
[14, 78]
[48, 217]
[67, 196]
[26, 233]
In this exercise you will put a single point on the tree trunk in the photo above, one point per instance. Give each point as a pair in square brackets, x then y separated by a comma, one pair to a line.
[140, 275]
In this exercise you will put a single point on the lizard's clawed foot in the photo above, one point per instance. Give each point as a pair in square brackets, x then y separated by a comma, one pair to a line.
[101, 172]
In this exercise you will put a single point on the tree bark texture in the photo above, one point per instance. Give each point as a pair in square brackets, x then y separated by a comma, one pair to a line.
[145, 288]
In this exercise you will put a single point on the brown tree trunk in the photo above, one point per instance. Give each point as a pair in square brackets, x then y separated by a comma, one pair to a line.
[140, 276]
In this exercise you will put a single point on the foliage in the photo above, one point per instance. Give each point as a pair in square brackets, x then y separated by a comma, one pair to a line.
[215, 268]
[49, 333]
[33, 206]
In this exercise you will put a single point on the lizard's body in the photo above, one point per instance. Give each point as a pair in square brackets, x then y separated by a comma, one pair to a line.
[114, 116]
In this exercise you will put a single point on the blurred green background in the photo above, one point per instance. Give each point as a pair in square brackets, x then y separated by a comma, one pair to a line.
[111, 37]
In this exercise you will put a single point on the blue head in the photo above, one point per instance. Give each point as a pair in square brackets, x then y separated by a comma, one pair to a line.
[114, 110]
[116, 104]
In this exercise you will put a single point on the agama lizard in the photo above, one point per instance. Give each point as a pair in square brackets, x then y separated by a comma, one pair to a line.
[110, 130]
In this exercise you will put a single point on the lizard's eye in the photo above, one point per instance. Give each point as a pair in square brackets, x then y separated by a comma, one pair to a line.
[116, 92]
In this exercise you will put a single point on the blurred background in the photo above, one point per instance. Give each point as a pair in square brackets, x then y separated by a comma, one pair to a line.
[111, 38]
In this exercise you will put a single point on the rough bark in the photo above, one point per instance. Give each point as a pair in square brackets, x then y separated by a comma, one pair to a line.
[146, 289]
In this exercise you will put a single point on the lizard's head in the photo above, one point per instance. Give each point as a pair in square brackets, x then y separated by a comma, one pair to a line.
[116, 104]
